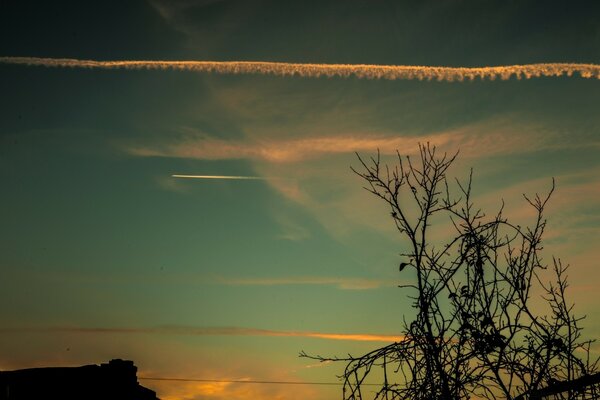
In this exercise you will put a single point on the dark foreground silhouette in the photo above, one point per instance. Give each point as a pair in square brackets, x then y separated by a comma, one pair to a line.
[115, 380]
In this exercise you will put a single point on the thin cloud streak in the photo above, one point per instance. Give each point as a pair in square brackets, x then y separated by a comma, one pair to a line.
[220, 177]
[341, 283]
[208, 331]
[360, 71]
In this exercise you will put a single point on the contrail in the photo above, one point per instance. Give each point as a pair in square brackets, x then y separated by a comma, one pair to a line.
[360, 71]
[219, 177]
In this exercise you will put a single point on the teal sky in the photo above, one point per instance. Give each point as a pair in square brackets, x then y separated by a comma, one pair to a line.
[103, 254]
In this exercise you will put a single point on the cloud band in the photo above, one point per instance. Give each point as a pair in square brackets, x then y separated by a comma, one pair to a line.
[206, 331]
[234, 177]
[360, 71]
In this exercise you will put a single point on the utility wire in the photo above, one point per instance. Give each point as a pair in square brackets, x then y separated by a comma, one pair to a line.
[249, 381]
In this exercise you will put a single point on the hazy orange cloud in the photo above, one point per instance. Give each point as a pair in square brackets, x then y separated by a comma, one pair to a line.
[273, 150]
[240, 377]
[361, 71]
[497, 140]
[208, 331]
[189, 390]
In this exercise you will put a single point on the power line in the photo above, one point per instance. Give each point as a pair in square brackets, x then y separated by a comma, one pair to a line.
[148, 378]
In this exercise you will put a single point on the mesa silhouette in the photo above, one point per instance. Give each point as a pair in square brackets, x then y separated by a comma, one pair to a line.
[115, 380]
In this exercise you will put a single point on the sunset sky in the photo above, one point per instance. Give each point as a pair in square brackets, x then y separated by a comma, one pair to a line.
[104, 254]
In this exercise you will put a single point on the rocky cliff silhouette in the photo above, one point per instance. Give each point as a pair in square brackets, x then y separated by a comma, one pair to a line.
[115, 380]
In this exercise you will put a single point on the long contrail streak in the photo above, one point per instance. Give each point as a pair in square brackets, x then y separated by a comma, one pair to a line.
[360, 71]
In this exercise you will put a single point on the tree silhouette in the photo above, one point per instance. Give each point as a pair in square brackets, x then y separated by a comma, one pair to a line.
[491, 319]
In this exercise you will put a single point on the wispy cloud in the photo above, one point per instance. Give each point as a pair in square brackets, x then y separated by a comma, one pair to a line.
[207, 331]
[328, 189]
[273, 150]
[361, 71]
[498, 140]
[182, 390]
[341, 283]
[291, 229]
[229, 384]
[234, 177]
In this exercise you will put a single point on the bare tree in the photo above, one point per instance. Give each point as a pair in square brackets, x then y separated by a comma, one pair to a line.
[487, 321]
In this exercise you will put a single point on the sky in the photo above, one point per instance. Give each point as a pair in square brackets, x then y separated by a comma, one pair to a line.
[104, 254]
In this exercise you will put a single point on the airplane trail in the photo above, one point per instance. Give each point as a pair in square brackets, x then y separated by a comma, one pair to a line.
[360, 71]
